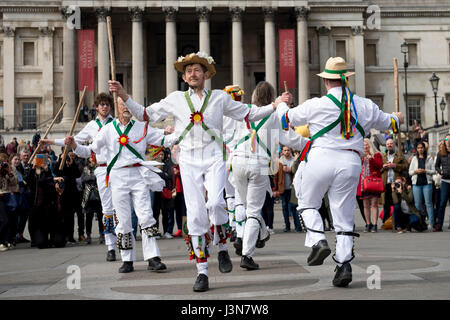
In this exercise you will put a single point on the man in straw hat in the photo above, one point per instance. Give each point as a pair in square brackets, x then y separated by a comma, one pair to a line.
[198, 119]
[337, 123]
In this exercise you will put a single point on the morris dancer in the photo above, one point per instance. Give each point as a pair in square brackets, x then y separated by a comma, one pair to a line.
[251, 165]
[198, 119]
[334, 163]
[102, 103]
[235, 207]
[125, 142]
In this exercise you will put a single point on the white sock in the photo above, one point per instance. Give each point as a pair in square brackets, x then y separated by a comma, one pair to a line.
[222, 246]
[202, 267]
[111, 247]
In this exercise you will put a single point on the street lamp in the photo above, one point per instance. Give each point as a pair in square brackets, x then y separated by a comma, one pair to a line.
[404, 50]
[434, 80]
[442, 105]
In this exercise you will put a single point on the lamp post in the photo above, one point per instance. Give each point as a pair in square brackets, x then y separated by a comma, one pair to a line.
[442, 105]
[434, 80]
[404, 50]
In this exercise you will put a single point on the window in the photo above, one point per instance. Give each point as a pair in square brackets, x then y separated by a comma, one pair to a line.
[341, 50]
[1, 118]
[377, 99]
[414, 109]
[28, 54]
[370, 54]
[412, 54]
[1, 55]
[29, 115]
[309, 52]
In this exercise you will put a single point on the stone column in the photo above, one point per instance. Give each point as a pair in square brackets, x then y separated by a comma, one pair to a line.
[324, 52]
[360, 70]
[103, 66]
[46, 112]
[270, 46]
[9, 100]
[302, 54]
[137, 49]
[171, 49]
[69, 71]
[204, 45]
[237, 51]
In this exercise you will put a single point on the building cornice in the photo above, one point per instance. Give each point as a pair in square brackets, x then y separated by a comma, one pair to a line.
[29, 9]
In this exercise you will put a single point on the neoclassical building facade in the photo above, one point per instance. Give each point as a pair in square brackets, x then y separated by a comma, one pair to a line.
[39, 53]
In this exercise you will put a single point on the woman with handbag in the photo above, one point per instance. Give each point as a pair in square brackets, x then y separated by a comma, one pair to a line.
[371, 185]
[421, 171]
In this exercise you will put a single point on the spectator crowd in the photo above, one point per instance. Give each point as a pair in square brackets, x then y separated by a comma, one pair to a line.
[414, 189]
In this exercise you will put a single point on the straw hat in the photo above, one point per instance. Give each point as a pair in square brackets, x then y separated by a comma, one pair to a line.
[334, 67]
[200, 58]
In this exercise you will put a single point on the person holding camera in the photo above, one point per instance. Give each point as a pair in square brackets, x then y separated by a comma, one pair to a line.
[406, 215]
[421, 171]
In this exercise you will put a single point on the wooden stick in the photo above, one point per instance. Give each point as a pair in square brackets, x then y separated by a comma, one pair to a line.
[112, 63]
[74, 122]
[286, 89]
[47, 132]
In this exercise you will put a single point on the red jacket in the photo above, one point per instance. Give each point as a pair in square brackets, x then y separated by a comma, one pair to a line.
[375, 166]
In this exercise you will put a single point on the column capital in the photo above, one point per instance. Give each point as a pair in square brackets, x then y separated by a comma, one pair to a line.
[302, 13]
[323, 30]
[236, 14]
[136, 13]
[269, 13]
[203, 13]
[47, 31]
[8, 31]
[102, 13]
[170, 13]
[358, 30]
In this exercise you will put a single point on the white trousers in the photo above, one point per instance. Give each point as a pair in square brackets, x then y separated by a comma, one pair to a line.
[335, 171]
[106, 200]
[230, 199]
[240, 215]
[127, 187]
[197, 176]
[251, 186]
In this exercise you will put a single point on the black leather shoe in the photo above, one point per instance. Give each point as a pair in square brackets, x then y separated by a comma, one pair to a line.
[319, 252]
[225, 264]
[343, 275]
[233, 236]
[155, 264]
[261, 243]
[248, 263]
[126, 267]
[201, 284]
[238, 246]
[111, 255]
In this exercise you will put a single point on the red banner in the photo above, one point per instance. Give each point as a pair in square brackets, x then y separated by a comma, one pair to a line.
[86, 59]
[287, 58]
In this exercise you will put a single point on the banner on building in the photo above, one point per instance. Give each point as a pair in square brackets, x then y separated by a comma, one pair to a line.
[287, 58]
[86, 59]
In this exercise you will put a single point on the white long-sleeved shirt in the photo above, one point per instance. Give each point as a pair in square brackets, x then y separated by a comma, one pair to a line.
[271, 134]
[87, 135]
[320, 112]
[107, 141]
[220, 104]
